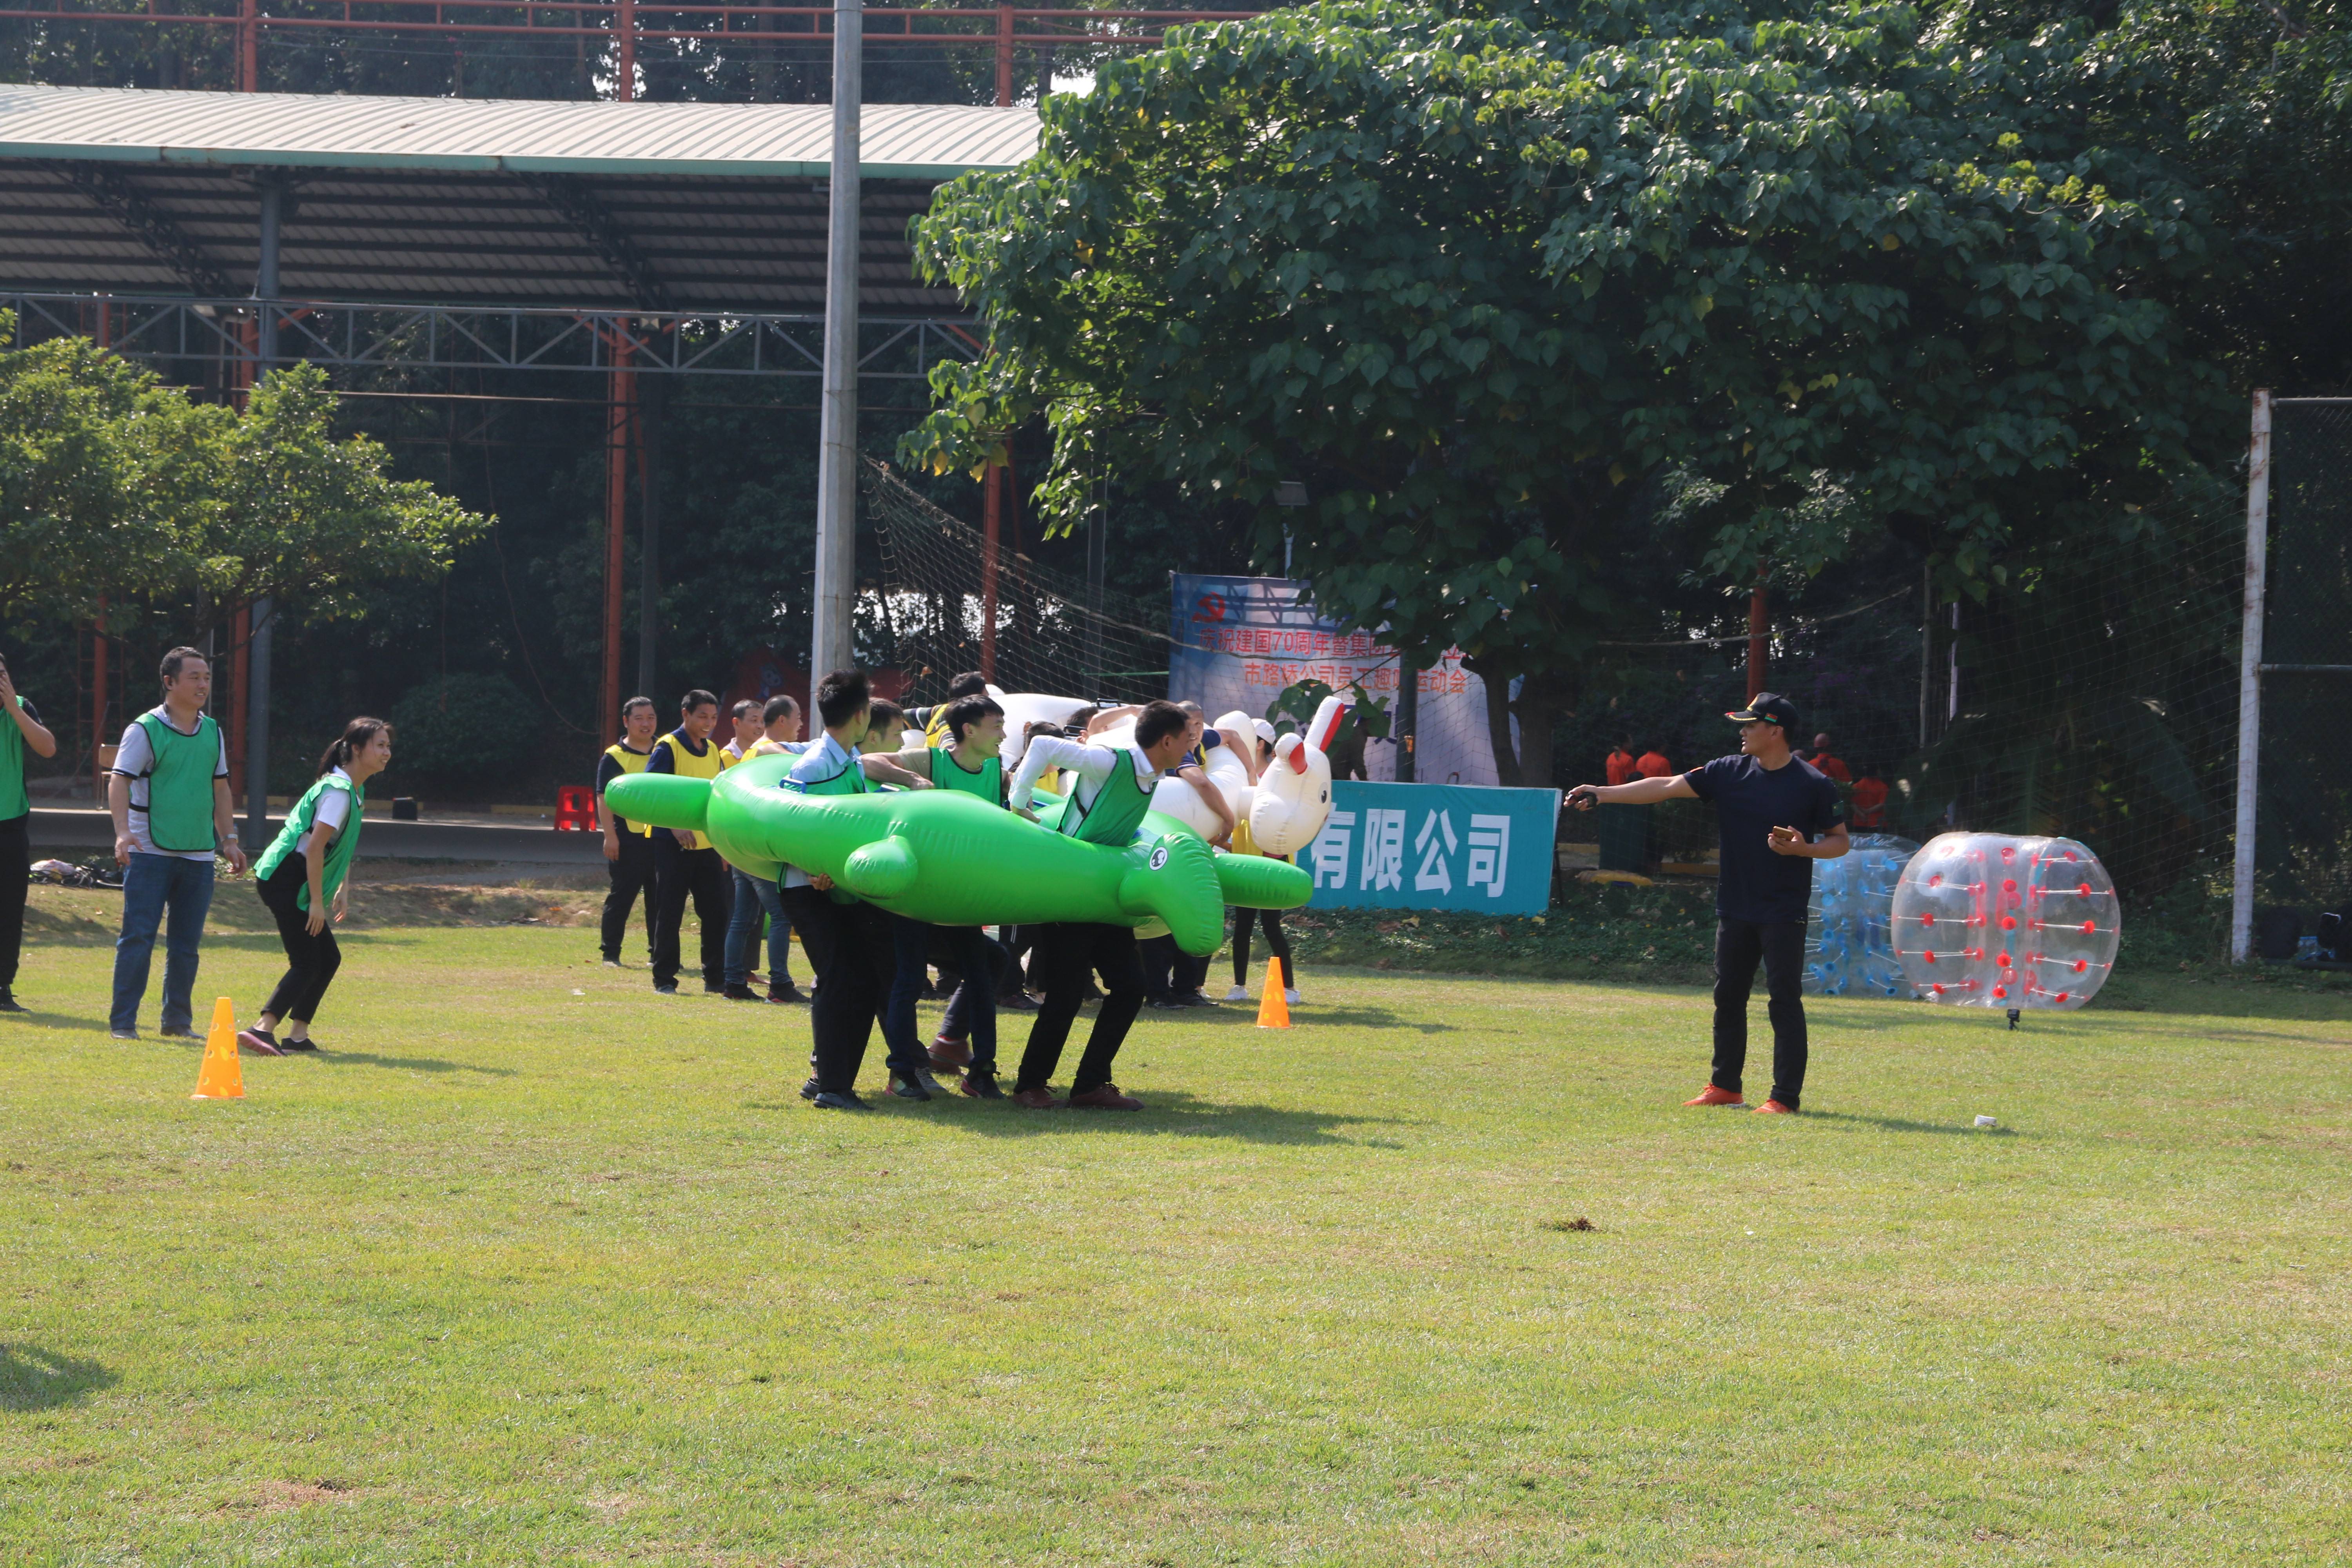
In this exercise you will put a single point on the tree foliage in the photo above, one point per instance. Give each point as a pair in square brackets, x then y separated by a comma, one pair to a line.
[113, 484]
[1486, 285]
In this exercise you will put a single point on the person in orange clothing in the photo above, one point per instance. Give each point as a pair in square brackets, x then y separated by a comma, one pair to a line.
[1620, 766]
[1867, 807]
[1652, 764]
[1823, 762]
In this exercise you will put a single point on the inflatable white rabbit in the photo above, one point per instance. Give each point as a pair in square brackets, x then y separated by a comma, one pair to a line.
[1293, 797]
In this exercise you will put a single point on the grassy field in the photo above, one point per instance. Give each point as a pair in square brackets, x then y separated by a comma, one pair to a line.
[531, 1265]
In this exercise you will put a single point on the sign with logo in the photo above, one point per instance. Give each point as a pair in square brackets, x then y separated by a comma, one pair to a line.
[1239, 641]
[1434, 847]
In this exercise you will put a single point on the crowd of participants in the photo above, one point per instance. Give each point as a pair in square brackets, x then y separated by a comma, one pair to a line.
[871, 967]
[168, 793]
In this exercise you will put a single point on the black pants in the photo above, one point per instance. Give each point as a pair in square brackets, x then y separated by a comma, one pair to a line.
[681, 873]
[311, 960]
[1270, 923]
[1168, 970]
[1067, 954]
[1780, 946]
[1016, 941]
[15, 856]
[850, 951]
[631, 874]
[987, 970]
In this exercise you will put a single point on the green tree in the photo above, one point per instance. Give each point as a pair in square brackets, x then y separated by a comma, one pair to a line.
[301, 516]
[101, 478]
[1485, 290]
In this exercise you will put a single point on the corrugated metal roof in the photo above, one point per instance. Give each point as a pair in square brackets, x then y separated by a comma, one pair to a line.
[899, 141]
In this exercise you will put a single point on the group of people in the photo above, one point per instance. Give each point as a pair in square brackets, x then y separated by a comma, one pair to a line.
[871, 966]
[168, 793]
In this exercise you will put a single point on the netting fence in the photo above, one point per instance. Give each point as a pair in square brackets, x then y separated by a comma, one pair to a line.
[942, 583]
[2303, 839]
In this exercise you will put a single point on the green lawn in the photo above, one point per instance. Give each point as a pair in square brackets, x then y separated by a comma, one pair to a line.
[534, 1267]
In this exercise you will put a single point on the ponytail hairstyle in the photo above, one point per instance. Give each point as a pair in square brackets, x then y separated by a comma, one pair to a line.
[355, 739]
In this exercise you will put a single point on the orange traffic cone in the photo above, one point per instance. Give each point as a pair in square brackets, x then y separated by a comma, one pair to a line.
[1273, 1012]
[220, 1077]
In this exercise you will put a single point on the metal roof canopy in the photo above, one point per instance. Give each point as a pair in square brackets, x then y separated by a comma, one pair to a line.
[680, 206]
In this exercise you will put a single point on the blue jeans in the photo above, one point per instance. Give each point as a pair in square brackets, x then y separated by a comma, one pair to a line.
[911, 944]
[753, 898]
[153, 884]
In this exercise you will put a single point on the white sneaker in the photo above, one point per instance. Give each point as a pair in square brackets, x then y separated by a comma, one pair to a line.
[1290, 995]
[1238, 994]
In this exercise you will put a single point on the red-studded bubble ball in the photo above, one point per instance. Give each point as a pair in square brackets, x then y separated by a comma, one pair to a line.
[1976, 879]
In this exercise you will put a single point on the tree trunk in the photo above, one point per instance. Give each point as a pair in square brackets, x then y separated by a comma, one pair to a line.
[1499, 729]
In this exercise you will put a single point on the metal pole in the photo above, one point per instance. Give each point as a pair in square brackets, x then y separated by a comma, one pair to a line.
[1926, 643]
[1098, 551]
[248, 36]
[624, 86]
[992, 509]
[1003, 57]
[648, 445]
[97, 703]
[265, 277]
[2249, 680]
[257, 732]
[621, 384]
[1759, 637]
[833, 599]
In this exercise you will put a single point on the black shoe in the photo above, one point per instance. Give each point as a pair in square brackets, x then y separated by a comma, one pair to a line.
[714, 988]
[809, 1090]
[1161, 1003]
[742, 993]
[846, 1100]
[1192, 999]
[787, 993]
[176, 1032]
[665, 987]
[8, 1003]
[305, 1044]
[982, 1085]
[1017, 1002]
[917, 1084]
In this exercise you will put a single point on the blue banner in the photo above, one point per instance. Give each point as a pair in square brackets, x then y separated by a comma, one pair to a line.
[1434, 847]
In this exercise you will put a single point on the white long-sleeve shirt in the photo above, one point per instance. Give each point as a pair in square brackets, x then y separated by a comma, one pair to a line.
[1089, 766]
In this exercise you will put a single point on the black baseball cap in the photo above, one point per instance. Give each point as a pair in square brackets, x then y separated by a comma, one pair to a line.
[1770, 708]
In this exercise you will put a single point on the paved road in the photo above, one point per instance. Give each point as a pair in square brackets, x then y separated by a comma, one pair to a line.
[79, 830]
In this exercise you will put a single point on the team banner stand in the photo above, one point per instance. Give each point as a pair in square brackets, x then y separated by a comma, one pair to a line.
[1239, 641]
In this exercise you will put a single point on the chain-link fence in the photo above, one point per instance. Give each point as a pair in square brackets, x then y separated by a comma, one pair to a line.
[2302, 839]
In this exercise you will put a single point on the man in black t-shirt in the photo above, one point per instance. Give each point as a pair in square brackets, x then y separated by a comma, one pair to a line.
[1776, 816]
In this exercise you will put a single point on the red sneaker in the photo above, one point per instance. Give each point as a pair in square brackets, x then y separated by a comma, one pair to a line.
[949, 1055]
[1106, 1096]
[1711, 1095]
[1034, 1098]
[1774, 1108]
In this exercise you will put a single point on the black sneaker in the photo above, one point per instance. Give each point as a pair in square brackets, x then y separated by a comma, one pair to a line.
[846, 1100]
[742, 993]
[176, 1032]
[1192, 999]
[8, 1003]
[665, 987]
[788, 995]
[982, 1085]
[714, 988]
[809, 1090]
[305, 1044]
[1017, 1002]
[917, 1084]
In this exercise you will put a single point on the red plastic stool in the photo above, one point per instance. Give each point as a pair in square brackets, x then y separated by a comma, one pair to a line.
[575, 808]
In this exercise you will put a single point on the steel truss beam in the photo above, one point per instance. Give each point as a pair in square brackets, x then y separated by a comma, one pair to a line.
[345, 335]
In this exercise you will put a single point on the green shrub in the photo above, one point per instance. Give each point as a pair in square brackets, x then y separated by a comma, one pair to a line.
[468, 735]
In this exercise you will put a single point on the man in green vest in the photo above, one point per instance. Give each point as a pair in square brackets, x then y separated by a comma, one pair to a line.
[24, 730]
[1110, 790]
[169, 794]
[973, 731]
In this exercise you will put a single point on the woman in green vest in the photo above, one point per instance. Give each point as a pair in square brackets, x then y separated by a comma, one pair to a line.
[303, 877]
[23, 731]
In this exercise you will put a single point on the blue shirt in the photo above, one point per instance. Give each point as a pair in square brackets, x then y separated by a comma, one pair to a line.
[825, 759]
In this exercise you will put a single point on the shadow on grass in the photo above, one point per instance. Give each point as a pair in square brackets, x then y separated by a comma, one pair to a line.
[330, 1056]
[1901, 1124]
[33, 1379]
[1235, 1016]
[1166, 1113]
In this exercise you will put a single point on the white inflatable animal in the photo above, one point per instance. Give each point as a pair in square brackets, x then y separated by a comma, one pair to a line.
[1022, 708]
[1293, 798]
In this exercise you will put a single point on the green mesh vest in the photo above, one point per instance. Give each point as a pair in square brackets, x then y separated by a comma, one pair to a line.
[946, 772]
[297, 823]
[1118, 807]
[180, 772]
